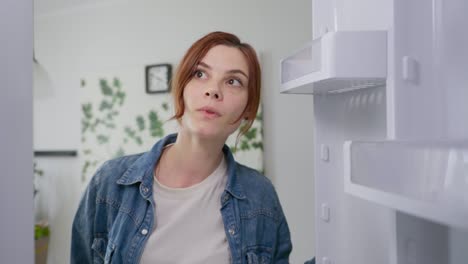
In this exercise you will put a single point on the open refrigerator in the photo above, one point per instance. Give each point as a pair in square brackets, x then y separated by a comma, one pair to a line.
[389, 84]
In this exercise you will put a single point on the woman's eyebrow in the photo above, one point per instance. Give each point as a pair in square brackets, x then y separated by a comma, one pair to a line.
[201, 63]
[238, 71]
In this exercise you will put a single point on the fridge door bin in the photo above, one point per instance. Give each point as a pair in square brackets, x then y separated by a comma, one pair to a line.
[423, 178]
[337, 62]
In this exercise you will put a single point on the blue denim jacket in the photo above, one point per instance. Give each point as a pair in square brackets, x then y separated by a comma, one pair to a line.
[117, 210]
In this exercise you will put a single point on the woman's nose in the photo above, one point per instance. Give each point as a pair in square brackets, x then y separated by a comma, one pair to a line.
[214, 93]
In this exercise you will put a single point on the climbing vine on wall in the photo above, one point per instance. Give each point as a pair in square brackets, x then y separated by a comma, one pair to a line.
[252, 139]
[99, 124]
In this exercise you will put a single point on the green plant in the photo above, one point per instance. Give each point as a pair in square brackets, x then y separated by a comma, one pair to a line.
[252, 139]
[41, 230]
[101, 124]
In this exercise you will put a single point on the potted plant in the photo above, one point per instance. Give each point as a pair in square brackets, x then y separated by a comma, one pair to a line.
[41, 242]
[41, 231]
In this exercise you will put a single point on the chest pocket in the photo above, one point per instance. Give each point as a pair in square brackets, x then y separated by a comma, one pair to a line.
[258, 255]
[103, 250]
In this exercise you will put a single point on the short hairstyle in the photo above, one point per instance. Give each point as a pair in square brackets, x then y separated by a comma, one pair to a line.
[187, 67]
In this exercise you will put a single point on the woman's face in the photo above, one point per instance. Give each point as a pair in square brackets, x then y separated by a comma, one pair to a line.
[217, 94]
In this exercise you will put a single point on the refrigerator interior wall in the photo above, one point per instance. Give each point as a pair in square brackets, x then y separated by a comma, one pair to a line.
[431, 64]
[426, 102]
[348, 226]
[345, 15]
[424, 242]
[420, 241]
[458, 241]
[323, 17]
[454, 65]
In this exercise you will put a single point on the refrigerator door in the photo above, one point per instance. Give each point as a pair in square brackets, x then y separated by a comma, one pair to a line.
[397, 193]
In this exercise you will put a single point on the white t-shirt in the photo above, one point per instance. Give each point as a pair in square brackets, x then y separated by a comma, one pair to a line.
[188, 223]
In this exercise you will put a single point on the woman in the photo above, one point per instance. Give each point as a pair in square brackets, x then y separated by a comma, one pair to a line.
[187, 200]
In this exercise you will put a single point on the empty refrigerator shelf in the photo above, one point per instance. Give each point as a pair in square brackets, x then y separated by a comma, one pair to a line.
[426, 179]
[339, 61]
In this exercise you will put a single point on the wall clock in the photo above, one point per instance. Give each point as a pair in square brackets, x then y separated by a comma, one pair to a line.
[158, 78]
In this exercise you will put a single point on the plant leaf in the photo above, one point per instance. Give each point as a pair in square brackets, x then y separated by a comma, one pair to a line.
[105, 88]
[102, 139]
[116, 82]
[105, 105]
[140, 122]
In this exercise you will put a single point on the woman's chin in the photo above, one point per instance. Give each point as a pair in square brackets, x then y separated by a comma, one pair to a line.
[208, 134]
[208, 130]
[205, 132]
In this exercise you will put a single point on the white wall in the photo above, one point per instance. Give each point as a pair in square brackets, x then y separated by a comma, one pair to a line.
[111, 34]
[16, 222]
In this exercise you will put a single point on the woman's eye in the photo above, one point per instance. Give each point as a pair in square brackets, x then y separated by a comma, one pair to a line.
[234, 82]
[199, 74]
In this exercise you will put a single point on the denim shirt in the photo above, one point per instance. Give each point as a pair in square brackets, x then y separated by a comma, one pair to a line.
[116, 212]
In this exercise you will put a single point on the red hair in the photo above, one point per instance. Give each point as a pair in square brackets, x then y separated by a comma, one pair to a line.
[187, 67]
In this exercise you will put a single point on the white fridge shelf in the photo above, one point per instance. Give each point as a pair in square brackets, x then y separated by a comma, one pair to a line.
[425, 179]
[337, 62]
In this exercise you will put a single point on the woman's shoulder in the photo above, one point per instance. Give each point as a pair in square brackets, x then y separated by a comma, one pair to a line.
[255, 183]
[260, 193]
[249, 175]
[111, 170]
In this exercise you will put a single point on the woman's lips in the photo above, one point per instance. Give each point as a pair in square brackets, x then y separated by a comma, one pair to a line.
[209, 112]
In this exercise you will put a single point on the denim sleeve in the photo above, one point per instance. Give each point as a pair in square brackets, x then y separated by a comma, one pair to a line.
[284, 243]
[83, 226]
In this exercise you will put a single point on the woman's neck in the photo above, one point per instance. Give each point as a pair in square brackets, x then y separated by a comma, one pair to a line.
[189, 160]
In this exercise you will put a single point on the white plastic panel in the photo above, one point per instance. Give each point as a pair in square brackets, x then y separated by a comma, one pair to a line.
[424, 99]
[422, 242]
[342, 15]
[429, 96]
[453, 66]
[303, 62]
[347, 226]
[337, 62]
[426, 179]
[362, 14]
[458, 239]
[323, 17]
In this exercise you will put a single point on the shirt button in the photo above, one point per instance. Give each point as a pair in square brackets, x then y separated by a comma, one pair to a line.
[145, 190]
[231, 231]
[144, 231]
